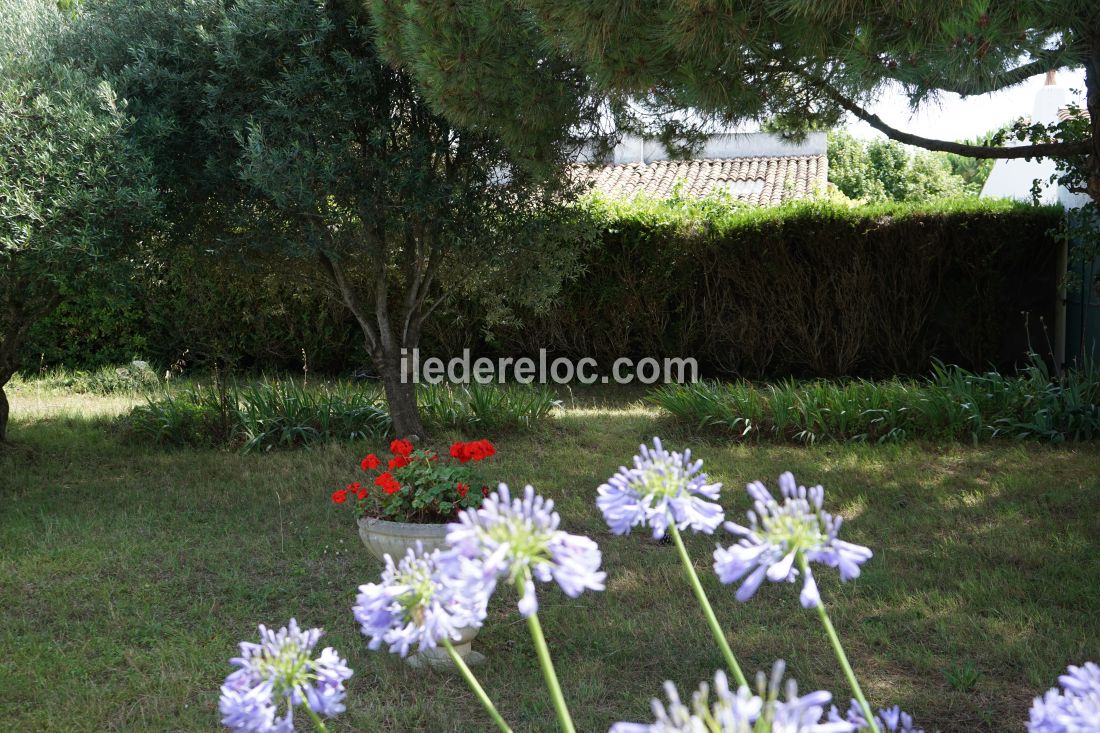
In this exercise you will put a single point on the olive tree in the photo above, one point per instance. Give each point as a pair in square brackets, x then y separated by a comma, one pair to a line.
[344, 166]
[74, 191]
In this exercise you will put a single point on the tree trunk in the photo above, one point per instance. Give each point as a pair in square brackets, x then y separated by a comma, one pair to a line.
[1092, 104]
[3, 413]
[401, 397]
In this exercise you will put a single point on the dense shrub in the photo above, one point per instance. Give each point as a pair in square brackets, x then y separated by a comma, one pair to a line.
[816, 289]
[202, 308]
[811, 290]
[287, 414]
[953, 404]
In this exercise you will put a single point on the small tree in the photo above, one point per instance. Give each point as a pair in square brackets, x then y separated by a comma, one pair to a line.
[883, 170]
[73, 189]
[344, 166]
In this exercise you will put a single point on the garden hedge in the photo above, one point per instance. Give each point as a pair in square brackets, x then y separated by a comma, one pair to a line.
[818, 289]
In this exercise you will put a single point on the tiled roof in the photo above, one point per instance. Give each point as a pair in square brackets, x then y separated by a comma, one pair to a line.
[761, 181]
[1066, 112]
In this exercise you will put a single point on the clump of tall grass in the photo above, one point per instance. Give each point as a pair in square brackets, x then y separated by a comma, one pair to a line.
[287, 413]
[951, 404]
[485, 407]
[259, 416]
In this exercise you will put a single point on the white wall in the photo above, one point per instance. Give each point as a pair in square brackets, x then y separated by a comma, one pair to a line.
[633, 149]
[1013, 178]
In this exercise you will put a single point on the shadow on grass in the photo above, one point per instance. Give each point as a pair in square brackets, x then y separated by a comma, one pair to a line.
[130, 573]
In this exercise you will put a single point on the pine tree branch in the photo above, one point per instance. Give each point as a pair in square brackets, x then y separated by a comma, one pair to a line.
[1050, 59]
[1041, 150]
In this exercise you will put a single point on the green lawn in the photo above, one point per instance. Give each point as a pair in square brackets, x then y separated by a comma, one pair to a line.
[128, 574]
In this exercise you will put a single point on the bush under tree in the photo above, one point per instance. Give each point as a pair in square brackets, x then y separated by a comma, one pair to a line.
[74, 190]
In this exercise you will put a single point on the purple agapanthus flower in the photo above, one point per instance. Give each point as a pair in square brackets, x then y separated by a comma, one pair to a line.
[778, 533]
[1073, 709]
[894, 720]
[281, 670]
[662, 487]
[741, 711]
[421, 601]
[518, 539]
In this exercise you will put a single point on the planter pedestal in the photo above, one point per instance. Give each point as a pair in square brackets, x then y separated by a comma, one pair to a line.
[396, 539]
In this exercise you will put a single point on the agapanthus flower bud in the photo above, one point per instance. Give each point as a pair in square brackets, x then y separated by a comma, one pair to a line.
[420, 602]
[1073, 709]
[741, 711]
[778, 533]
[281, 670]
[662, 487]
[518, 539]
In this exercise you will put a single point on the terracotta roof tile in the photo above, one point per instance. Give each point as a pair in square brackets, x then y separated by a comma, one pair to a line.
[1066, 113]
[762, 181]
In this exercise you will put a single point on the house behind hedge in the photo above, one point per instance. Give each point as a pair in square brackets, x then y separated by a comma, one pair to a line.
[753, 168]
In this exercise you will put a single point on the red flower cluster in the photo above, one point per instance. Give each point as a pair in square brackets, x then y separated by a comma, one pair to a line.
[387, 482]
[417, 484]
[356, 490]
[474, 451]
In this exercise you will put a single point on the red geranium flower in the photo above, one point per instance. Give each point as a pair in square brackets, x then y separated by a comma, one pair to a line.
[398, 461]
[473, 451]
[362, 494]
[354, 487]
[388, 483]
[401, 447]
[462, 489]
[340, 496]
[370, 463]
[481, 449]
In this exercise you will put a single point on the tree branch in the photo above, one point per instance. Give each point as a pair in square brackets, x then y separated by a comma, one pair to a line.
[350, 300]
[1042, 150]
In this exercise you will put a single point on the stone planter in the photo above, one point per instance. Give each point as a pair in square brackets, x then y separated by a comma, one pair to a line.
[395, 539]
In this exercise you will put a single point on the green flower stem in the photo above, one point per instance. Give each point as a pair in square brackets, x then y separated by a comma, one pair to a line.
[317, 722]
[476, 687]
[712, 620]
[547, 665]
[840, 655]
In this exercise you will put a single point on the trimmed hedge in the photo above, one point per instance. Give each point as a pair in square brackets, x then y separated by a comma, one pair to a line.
[816, 289]
[812, 290]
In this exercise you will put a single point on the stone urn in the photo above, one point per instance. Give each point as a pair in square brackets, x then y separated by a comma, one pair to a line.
[395, 539]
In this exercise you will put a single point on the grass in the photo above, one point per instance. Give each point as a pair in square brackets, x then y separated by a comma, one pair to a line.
[129, 573]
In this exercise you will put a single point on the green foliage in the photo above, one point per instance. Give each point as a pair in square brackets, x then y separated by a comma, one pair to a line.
[74, 190]
[260, 416]
[813, 289]
[973, 171]
[795, 64]
[952, 404]
[286, 413]
[743, 290]
[488, 407]
[884, 170]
